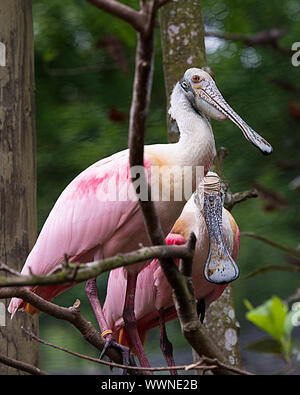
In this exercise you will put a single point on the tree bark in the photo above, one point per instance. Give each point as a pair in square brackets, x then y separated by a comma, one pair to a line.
[182, 35]
[17, 166]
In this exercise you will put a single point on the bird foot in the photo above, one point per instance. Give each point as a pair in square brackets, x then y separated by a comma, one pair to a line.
[127, 357]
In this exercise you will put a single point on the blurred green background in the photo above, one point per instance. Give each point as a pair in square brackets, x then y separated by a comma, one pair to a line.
[84, 64]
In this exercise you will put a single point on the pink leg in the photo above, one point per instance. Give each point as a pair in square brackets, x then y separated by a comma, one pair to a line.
[92, 293]
[165, 344]
[130, 320]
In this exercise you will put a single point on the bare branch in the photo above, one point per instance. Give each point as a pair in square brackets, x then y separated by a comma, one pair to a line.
[233, 198]
[230, 199]
[6, 268]
[72, 315]
[74, 272]
[224, 366]
[76, 354]
[288, 250]
[272, 268]
[187, 263]
[122, 11]
[116, 365]
[264, 38]
[210, 364]
[23, 366]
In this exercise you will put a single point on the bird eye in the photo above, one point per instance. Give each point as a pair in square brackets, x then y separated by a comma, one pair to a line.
[196, 78]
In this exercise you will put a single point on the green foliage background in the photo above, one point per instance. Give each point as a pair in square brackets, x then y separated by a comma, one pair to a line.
[79, 85]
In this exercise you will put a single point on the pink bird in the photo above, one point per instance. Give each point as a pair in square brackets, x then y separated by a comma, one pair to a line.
[92, 219]
[214, 267]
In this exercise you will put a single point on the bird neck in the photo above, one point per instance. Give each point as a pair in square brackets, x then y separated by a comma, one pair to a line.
[196, 144]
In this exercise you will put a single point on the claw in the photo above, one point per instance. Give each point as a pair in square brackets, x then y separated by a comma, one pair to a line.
[127, 357]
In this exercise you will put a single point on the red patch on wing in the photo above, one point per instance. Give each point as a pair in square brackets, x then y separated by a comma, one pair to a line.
[117, 174]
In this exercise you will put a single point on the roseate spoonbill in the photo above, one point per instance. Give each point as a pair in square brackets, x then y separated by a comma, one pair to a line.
[214, 267]
[87, 224]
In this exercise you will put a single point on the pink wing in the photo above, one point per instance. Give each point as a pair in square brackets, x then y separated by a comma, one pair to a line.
[83, 219]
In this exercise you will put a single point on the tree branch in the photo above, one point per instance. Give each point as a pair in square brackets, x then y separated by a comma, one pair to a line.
[6, 268]
[222, 365]
[288, 250]
[73, 272]
[264, 38]
[71, 314]
[115, 365]
[181, 285]
[233, 198]
[210, 364]
[122, 11]
[23, 366]
[142, 21]
[230, 199]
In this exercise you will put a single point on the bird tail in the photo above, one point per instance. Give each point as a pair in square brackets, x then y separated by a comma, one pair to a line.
[19, 304]
[14, 306]
[46, 292]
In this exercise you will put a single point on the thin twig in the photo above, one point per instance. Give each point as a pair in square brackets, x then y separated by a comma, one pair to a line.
[232, 199]
[210, 363]
[6, 268]
[288, 250]
[264, 38]
[224, 366]
[116, 365]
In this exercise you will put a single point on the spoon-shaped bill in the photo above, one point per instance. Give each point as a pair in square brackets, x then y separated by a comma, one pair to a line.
[219, 268]
[209, 92]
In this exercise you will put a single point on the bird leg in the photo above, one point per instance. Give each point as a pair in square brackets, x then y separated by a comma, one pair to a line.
[130, 320]
[92, 294]
[165, 344]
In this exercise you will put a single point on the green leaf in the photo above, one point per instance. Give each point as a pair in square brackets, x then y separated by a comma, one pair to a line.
[270, 316]
[266, 345]
[248, 305]
[278, 315]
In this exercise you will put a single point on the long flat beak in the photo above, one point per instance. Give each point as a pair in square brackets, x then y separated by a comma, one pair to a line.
[219, 268]
[209, 92]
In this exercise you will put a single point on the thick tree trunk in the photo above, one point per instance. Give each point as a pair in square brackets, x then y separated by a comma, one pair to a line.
[182, 35]
[17, 165]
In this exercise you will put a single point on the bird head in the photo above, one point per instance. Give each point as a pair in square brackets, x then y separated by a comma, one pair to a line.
[220, 268]
[204, 96]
